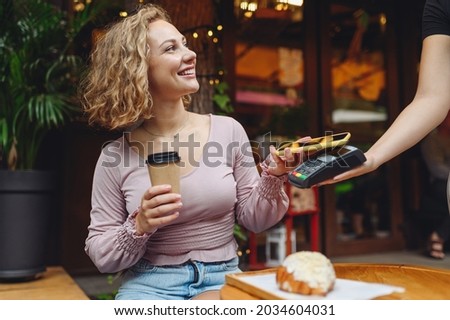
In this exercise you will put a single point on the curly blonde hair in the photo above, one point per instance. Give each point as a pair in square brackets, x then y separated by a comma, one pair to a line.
[115, 91]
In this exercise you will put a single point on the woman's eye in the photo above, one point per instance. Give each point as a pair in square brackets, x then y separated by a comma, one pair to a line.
[171, 48]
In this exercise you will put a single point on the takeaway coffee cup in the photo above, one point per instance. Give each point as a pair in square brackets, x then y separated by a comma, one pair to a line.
[164, 168]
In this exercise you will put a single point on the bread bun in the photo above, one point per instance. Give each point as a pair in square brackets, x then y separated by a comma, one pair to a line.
[306, 272]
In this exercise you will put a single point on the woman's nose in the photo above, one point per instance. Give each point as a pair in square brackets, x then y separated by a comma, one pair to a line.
[190, 55]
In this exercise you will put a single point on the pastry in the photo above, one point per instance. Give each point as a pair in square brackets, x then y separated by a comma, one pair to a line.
[306, 272]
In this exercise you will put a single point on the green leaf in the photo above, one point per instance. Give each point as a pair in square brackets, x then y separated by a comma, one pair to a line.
[222, 87]
[3, 132]
[239, 233]
[16, 69]
[221, 100]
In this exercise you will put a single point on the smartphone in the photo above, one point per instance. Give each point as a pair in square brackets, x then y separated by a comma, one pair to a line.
[316, 144]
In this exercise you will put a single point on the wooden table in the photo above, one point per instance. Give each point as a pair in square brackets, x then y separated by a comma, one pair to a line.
[54, 284]
[420, 283]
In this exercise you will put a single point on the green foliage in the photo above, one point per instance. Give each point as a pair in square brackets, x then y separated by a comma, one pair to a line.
[239, 233]
[110, 295]
[38, 75]
[222, 99]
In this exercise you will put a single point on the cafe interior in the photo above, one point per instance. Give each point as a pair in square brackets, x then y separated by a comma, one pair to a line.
[284, 69]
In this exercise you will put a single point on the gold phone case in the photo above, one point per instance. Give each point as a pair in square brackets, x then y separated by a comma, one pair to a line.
[316, 144]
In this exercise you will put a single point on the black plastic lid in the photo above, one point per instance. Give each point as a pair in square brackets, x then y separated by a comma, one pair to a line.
[163, 157]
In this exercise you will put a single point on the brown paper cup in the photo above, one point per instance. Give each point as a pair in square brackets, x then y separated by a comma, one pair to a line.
[164, 168]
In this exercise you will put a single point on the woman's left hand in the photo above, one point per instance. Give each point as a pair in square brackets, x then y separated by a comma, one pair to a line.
[281, 165]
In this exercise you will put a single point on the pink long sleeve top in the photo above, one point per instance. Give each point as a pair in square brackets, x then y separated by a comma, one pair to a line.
[222, 189]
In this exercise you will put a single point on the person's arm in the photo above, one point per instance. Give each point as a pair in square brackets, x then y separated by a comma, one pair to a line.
[261, 201]
[112, 243]
[427, 110]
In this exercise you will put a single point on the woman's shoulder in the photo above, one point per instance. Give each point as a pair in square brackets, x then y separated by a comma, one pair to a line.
[228, 128]
[118, 156]
[114, 149]
[223, 120]
[117, 143]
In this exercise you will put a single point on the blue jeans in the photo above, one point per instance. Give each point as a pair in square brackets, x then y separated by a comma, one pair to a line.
[145, 281]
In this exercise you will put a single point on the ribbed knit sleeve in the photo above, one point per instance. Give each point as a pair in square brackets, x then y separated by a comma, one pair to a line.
[261, 201]
[112, 243]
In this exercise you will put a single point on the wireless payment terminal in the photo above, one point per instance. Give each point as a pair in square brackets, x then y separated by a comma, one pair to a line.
[326, 165]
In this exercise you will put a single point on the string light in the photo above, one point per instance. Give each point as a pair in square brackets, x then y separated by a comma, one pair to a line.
[383, 19]
[252, 6]
[244, 5]
[205, 34]
[78, 6]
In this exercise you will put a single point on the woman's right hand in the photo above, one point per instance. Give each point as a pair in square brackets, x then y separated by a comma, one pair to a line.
[159, 207]
[368, 166]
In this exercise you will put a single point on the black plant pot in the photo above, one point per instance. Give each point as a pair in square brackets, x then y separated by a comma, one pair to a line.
[25, 207]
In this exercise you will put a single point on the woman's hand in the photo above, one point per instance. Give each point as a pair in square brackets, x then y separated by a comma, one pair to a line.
[368, 166]
[283, 164]
[159, 207]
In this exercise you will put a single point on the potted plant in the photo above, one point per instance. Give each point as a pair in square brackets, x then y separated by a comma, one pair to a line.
[38, 79]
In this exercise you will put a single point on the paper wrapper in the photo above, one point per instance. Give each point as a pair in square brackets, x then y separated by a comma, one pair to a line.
[343, 289]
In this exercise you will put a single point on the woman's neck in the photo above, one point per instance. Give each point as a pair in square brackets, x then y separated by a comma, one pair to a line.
[166, 122]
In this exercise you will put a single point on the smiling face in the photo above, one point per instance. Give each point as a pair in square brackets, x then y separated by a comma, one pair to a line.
[171, 71]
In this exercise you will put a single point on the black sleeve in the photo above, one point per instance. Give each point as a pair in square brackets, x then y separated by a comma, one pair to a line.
[436, 18]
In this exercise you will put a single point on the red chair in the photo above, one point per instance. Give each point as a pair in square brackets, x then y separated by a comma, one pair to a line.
[301, 202]
[308, 203]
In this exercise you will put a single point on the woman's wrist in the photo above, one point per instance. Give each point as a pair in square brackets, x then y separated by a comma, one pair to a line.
[265, 170]
[138, 230]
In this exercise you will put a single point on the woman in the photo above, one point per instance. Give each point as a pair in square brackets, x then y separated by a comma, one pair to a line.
[172, 246]
[430, 105]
